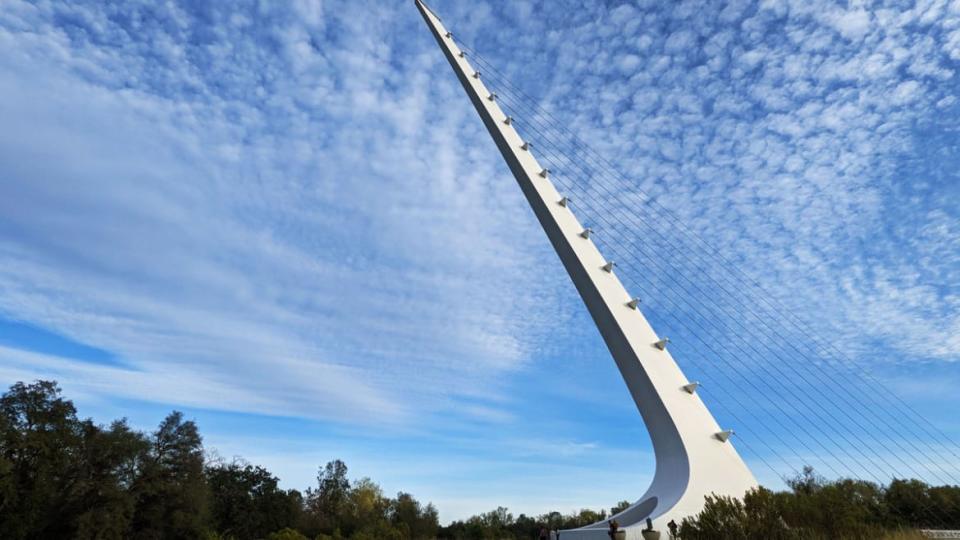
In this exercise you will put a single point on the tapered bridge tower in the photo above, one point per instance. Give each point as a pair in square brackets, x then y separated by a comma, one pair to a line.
[694, 456]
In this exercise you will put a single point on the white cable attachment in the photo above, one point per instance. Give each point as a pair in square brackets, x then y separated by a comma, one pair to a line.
[633, 303]
[564, 201]
[662, 344]
[544, 173]
[609, 266]
[723, 436]
[691, 387]
[586, 233]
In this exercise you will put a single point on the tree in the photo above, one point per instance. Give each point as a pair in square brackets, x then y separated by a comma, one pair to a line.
[171, 492]
[367, 507]
[721, 518]
[416, 521]
[620, 507]
[909, 502]
[40, 438]
[109, 467]
[328, 501]
[946, 500]
[841, 508]
[764, 515]
[61, 477]
[246, 502]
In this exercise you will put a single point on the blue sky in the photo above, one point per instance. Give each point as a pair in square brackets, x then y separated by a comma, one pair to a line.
[285, 219]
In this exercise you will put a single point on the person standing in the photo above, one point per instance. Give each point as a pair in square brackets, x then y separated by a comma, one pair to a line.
[612, 531]
[673, 529]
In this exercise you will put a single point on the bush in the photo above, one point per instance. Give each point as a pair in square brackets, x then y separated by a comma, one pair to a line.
[286, 534]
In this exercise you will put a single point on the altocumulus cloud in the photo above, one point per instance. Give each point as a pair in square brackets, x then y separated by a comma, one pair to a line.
[812, 143]
[292, 204]
[255, 208]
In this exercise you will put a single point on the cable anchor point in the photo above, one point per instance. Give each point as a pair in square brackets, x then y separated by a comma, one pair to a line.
[633, 303]
[609, 266]
[564, 201]
[723, 436]
[662, 344]
[586, 233]
[691, 388]
[544, 173]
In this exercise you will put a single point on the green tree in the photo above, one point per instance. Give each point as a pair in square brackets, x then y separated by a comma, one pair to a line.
[946, 500]
[40, 442]
[722, 518]
[328, 503]
[246, 501]
[61, 477]
[171, 492]
[367, 512]
[109, 467]
[525, 527]
[620, 507]
[764, 515]
[416, 521]
[909, 502]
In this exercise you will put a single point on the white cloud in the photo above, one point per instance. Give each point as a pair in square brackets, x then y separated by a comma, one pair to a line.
[906, 92]
[321, 245]
[852, 24]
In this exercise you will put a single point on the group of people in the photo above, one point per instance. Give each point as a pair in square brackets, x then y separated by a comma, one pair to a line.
[614, 527]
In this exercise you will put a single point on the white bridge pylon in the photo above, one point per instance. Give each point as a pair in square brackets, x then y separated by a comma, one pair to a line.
[694, 456]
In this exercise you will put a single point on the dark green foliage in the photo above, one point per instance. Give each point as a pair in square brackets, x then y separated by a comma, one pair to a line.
[500, 523]
[171, 492]
[63, 477]
[359, 510]
[412, 519]
[41, 435]
[815, 508]
[757, 517]
[286, 534]
[109, 468]
[246, 502]
[328, 503]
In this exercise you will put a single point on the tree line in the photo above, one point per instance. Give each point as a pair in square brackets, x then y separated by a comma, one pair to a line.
[66, 477]
[814, 508]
